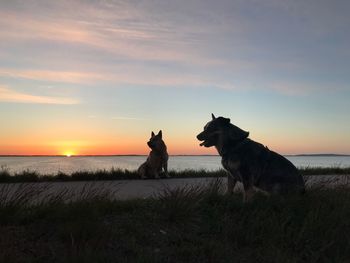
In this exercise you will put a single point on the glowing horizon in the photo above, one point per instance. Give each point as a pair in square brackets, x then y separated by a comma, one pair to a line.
[139, 147]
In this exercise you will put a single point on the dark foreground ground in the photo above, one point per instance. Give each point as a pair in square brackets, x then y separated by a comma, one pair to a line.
[183, 224]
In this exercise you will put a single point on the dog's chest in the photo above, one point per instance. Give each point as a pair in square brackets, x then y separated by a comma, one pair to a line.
[230, 165]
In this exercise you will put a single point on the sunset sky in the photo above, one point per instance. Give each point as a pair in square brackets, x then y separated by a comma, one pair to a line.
[96, 77]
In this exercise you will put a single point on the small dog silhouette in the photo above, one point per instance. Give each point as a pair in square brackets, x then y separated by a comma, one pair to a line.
[157, 158]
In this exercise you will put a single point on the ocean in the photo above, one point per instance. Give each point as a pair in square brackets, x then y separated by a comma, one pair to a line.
[55, 164]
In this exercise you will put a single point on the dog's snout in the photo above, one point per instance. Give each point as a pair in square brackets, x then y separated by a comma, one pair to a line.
[200, 136]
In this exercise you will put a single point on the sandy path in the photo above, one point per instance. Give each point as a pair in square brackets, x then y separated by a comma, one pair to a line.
[128, 189]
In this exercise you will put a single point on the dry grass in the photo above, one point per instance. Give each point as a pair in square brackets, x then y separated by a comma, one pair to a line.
[118, 174]
[187, 224]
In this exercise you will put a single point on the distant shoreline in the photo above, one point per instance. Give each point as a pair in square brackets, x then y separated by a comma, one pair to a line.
[130, 155]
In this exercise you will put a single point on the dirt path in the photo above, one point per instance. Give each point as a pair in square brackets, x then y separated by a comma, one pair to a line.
[128, 189]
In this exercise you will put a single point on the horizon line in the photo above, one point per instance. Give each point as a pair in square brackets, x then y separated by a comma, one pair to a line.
[110, 155]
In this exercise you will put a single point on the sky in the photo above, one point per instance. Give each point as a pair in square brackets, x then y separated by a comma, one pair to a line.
[96, 77]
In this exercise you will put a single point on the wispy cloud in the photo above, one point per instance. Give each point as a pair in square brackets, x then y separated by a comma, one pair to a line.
[182, 43]
[134, 36]
[9, 95]
[128, 118]
[122, 76]
[131, 36]
[292, 89]
[52, 75]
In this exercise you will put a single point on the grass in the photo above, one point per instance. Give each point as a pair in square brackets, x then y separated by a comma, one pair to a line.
[335, 170]
[190, 224]
[118, 174]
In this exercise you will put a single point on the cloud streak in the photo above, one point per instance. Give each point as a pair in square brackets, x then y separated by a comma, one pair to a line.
[138, 40]
[52, 75]
[130, 76]
[128, 119]
[9, 95]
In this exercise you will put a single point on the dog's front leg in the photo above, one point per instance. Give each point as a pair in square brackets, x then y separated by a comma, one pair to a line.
[248, 191]
[155, 173]
[231, 183]
[248, 195]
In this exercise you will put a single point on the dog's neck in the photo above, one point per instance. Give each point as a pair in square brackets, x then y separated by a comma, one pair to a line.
[225, 147]
[160, 150]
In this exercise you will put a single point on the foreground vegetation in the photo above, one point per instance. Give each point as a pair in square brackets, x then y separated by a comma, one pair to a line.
[193, 224]
[118, 174]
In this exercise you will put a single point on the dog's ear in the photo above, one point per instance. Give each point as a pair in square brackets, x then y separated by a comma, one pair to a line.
[227, 120]
[212, 116]
[223, 121]
[160, 134]
[237, 134]
[152, 134]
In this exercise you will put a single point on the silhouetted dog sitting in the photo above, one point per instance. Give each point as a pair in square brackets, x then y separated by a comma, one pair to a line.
[250, 162]
[157, 159]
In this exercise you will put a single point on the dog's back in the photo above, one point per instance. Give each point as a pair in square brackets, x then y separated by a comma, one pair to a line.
[268, 170]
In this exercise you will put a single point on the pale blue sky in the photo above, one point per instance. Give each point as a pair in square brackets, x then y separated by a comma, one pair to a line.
[103, 73]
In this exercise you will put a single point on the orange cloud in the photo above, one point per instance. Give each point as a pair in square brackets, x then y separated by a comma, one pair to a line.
[148, 42]
[9, 95]
[55, 76]
[119, 77]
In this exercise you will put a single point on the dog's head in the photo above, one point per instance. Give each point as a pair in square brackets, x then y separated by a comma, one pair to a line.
[219, 129]
[156, 142]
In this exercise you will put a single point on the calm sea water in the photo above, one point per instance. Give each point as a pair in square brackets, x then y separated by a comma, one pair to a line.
[52, 165]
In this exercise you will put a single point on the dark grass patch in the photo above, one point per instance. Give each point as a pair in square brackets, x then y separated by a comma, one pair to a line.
[113, 174]
[191, 224]
[325, 170]
[120, 174]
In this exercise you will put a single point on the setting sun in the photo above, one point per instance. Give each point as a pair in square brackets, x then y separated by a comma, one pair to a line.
[68, 154]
